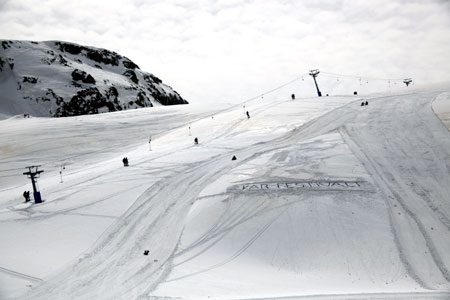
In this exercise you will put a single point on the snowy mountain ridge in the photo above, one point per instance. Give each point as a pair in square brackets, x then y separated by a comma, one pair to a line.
[58, 79]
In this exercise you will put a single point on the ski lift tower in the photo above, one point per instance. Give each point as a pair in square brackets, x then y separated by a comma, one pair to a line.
[314, 74]
[33, 174]
[407, 81]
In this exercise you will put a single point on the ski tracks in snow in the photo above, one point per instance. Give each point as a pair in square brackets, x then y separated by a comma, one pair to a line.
[405, 147]
[115, 267]
[380, 135]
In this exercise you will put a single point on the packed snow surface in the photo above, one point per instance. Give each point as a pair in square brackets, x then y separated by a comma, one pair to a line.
[327, 199]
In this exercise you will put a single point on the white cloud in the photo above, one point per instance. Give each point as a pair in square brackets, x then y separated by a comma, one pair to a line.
[225, 50]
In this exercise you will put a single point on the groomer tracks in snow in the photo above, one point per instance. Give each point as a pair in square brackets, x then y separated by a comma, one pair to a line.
[208, 238]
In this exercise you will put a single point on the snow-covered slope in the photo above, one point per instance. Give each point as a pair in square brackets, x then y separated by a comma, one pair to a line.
[327, 199]
[60, 79]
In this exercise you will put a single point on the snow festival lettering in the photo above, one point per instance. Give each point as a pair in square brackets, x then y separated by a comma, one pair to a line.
[306, 185]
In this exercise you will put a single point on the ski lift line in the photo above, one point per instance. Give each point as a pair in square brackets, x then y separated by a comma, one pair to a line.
[15, 175]
[275, 89]
[360, 77]
[53, 164]
[300, 77]
[11, 169]
[254, 98]
[279, 87]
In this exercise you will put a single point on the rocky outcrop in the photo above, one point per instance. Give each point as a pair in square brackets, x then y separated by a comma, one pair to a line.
[79, 75]
[61, 79]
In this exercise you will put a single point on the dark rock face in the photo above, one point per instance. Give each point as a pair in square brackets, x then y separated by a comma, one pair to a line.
[79, 75]
[49, 96]
[97, 55]
[164, 99]
[142, 100]
[129, 64]
[151, 79]
[74, 90]
[5, 44]
[89, 79]
[6, 61]
[130, 74]
[29, 79]
[62, 61]
[161, 96]
[87, 101]
[112, 93]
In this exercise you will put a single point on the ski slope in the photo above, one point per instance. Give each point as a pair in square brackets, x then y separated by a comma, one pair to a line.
[327, 199]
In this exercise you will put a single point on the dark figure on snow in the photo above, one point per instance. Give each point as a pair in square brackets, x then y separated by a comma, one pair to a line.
[362, 103]
[248, 115]
[125, 161]
[26, 195]
[196, 141]
[293, 96]
[355, 93]
[367, 102]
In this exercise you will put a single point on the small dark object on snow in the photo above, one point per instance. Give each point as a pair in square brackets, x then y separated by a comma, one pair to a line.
[234, 158]
[327, 95]
[362, 103]
[293, 96]
[196, 141]
[367, 102]
[125, 161]
[146, 252]
[248, 115]
[26, 195]
[355, 93]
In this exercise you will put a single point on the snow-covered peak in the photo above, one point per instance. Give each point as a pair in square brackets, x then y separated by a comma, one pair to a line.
[58, 79]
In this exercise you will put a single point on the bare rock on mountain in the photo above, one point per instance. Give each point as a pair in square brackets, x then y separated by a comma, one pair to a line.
[59, 79]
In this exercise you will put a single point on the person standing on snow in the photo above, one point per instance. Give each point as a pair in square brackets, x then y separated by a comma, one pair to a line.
[248, 115]
[26, 195]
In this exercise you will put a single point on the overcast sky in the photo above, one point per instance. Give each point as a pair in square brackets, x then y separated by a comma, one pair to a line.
[229, 50]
